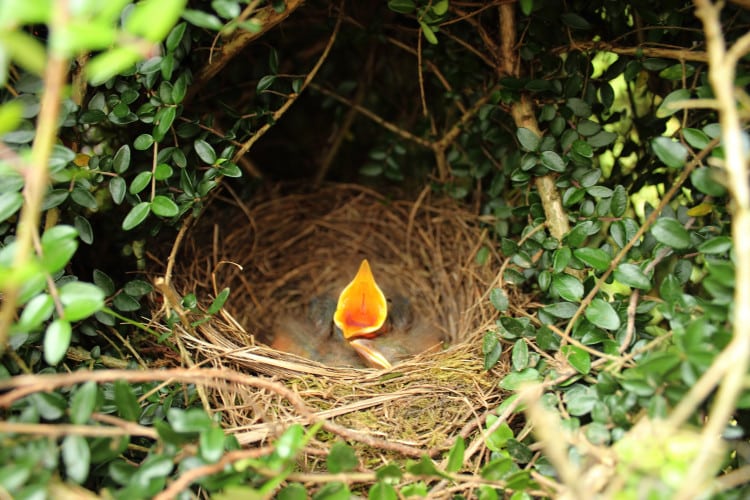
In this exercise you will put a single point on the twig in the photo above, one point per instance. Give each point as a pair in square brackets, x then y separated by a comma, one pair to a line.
[292, 97]
[734, 360]
[36, 173]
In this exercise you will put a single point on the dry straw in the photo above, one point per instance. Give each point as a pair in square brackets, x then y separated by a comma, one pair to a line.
[282, 249]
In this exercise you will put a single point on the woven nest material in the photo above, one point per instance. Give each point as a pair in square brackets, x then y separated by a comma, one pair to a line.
[282, 249]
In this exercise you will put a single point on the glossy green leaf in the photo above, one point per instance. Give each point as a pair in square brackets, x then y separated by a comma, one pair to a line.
[671, 233]
[219, 301]
[126, 402]
[59, 244]
[164, 206]
[138, 288]
[140, 182]
[202, 19]
[211, 444]
[578, 358]
[104, 282]
[38, 310]
[401, 6]
[528, 139]
[117, 188]
[498, 299]
[110, 63]
[580, 399]
[520, 355]
[84, 198]
[136, 215]
[85, 231]
[10, 203]
[633, 276]
[205, 151]
[619, 201]
[143, 142]
[594, 257]
[666, 107]
[696, 138]
[428, 33]
[716, 245]
[602, 314]
[553, 161]
[568, 287]
[56, 341]
[671, 152]
[83, 402]
[341, 458]
[707, 180]
[76, 456]
[491, 349]
[80, 300]
[515, 380]
[382, 491]
[561, 309]
[456, 455]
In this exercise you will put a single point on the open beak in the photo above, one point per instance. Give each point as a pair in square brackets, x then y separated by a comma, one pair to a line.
[361, 311]
[371, 355]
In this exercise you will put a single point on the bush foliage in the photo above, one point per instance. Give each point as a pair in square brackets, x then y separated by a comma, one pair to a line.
[604, 144]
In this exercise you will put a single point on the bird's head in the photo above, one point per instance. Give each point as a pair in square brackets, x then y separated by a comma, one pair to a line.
[361, 311]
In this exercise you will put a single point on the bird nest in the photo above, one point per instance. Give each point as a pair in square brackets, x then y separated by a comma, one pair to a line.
[281, 250]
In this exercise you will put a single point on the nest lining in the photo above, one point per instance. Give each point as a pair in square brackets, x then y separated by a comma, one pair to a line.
[280, 250]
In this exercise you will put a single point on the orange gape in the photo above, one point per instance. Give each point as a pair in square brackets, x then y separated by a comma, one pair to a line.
[361, 311]
[362, 308]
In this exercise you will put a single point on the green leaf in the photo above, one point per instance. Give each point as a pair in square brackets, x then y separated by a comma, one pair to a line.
[568, 287]
[293, 491]
[382, 491]
[527, 6]
[152, 19]
[402, 6]
[83, 402]
[671, 233]
[104, 282]
[428, 33]
[290, 442]
[553, 161]
[499, 299]
[76, 456]
[138, 288]
[425, 467]
[205, 151]
[83, 226]
[696, 137]
[136, 215]
[580, 399]
[528, 139]
[602, 314]
[117, 188]
[202, 19]
[264, 84]
[579, 107]
[514, 380]
[520, 355]
[126, 402]
[341, 458]
[37, 310]
[175, 37]
[80, 300]
[219, 301]
[10, 203]
[666, 109]
[211, 444]
[163, 172]
[594, 257]
[58, 246]
[143, 142]
[499, 438]
[716, 245]
[164, 206]
[633, 276]
[108, 64]
[456, 455]
[575, 21]
[56, 341]
[562, 310]
[619, 201]
[84, 198]
[491, 349]
[706, 179]
[671, 152]
[578, 358]
[141, 181]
